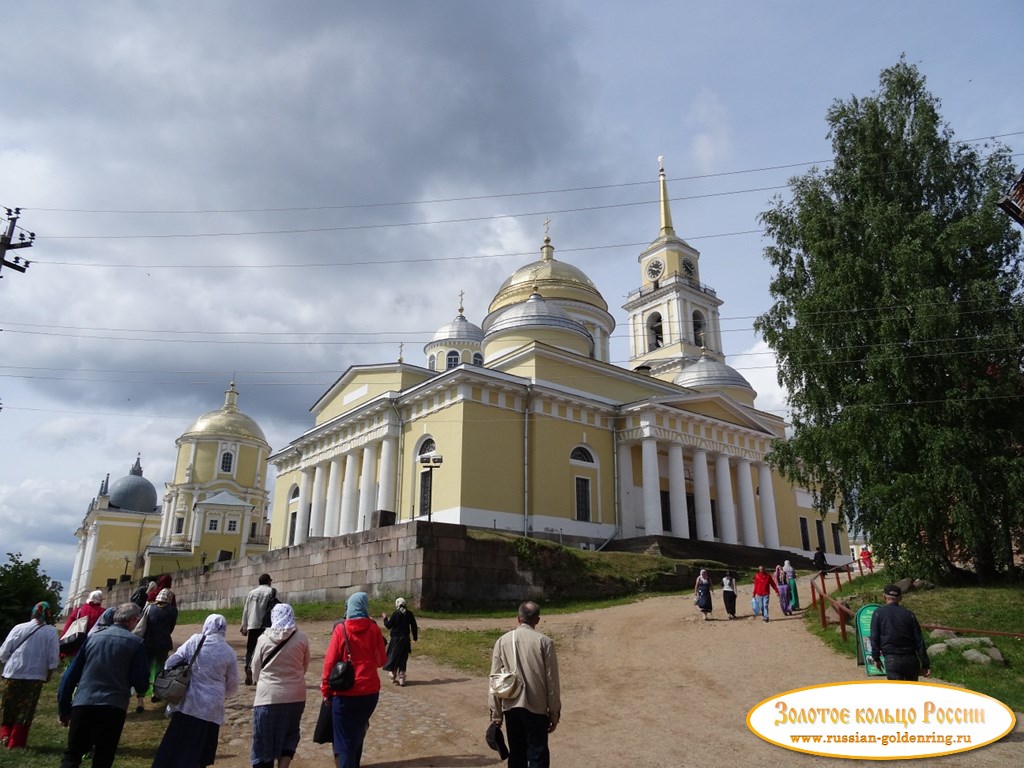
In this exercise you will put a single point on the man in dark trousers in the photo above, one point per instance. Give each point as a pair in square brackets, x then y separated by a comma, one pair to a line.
[820, 563]
[534, 712]
[257, 605]
[93, 697]
[896, 637]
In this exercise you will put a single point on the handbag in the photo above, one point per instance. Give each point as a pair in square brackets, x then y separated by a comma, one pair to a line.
[72, 640]
[507, 684]
[324, 731]
[343, 673]
[171, 685]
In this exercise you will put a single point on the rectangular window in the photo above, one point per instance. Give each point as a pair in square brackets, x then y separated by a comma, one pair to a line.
[583, 499]
[819, 529]
[212, 525]
[426, 489]
[836, 545]
[666, 512]
[232, 526]
[179, 524]
[805, 535]
[291, 528]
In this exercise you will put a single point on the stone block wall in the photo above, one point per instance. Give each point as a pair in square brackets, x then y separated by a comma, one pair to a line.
[433, 565]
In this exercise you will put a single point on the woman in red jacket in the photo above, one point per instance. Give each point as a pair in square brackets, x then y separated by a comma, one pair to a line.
[351, 709]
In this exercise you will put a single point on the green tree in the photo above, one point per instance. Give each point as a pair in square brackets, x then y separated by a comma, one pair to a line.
[22, 585]
[898, 326]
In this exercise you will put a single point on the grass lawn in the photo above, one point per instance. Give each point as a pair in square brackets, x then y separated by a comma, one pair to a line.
[993, 608]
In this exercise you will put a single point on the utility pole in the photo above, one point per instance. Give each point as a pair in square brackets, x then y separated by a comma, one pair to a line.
[6, 243]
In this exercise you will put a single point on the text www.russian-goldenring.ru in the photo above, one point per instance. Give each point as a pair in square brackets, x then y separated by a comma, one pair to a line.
[885, 740]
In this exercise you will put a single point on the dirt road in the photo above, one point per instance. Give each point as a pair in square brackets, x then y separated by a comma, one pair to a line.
[647, 684]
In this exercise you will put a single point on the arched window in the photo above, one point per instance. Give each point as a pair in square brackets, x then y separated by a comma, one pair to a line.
[295, 493]
[426, 478]
[452, 360]
[478, 359]
[430, 362]
[581, 454]
[698, 329]
[227, 461]
[655, 337]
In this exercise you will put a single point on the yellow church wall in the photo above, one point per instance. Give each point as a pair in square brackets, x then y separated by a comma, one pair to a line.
[364, 385]
[121, 536]
[280, 512]
[492, 458]
[584, 378]
[444, 426]
[553, 474]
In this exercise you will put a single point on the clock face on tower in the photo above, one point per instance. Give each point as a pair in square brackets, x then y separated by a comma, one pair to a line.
[688, 268]
[654, 269]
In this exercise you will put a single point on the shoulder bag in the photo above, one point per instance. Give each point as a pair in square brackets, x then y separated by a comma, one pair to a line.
[72, 640]
[140, 628]
[505, 684]
[343, 673]
[171, 684]
[23, 640]
[273, 653]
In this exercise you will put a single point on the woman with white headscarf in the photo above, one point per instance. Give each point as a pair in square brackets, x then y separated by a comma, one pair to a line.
[191, 738]
[279, 664]
[403, 631]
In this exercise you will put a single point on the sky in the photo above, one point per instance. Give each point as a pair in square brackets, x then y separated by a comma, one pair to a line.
[273, 192]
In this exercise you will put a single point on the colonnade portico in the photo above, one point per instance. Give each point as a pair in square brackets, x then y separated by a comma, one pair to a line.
[339, 492]
[737, 517]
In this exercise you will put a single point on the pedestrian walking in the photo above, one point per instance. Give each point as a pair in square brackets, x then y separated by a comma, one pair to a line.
[897, 639]
[532, 714]
[403, 631]
[702, 594]
[160, 618]
[729, 594]
[29, 655]
[763, 586]
[254, 613]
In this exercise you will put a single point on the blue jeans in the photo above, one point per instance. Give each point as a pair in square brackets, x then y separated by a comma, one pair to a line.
[527, 739]
[351, 715]
[762, 605]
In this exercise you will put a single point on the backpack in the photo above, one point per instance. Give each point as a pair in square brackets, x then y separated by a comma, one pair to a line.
[139, 597]
[270, 607]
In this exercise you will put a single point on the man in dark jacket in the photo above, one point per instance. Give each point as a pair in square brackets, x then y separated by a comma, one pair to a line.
[896, 637]
[93, 697]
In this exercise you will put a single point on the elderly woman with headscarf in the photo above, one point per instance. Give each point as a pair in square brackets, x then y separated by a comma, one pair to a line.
[161, 618]
[191, 737]
[358, 638]
[90, 610]
[279, 664]
[403, 631]
[164, 582]
[29, 655]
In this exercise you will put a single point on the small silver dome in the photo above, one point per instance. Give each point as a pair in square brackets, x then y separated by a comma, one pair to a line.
[459, 329]
[708, 373]
[133, 492]
[535, 312]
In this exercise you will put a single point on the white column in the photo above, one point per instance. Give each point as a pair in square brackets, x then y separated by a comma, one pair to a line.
[332, 519]
[76, 572]
[627, 520]
[316, 512]
[652, 487]
[165, 525]
[367, 486]
[302, 516]
[386, 481]
[748, 516]
[350, 494]
[726, 508]
[85, 584]
[677, 492]
[702, 496]
[769, 522]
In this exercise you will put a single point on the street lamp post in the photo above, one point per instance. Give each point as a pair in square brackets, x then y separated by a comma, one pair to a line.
[431, 461]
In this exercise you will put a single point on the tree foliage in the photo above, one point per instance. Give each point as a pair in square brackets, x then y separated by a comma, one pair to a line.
[22, 585]
[898, 324]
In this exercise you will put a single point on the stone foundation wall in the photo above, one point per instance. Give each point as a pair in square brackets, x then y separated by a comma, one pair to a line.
[433, 565]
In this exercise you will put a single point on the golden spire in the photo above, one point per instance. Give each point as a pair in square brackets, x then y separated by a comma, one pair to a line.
[547, 251]
[666, 213]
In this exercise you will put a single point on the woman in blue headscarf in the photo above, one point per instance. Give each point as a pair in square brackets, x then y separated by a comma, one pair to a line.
[358, 638]
[191, 737]
[29, 655]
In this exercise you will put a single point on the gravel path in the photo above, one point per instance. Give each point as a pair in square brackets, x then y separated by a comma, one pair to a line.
[646, 684]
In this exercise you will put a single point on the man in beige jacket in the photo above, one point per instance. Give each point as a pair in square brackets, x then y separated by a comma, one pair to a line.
[534, 712]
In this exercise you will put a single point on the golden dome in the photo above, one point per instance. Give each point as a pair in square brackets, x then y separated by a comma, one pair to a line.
[228, 421]
[552, 279]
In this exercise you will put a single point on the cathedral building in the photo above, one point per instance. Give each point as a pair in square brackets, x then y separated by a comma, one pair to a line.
[523, 424]
[215, 508]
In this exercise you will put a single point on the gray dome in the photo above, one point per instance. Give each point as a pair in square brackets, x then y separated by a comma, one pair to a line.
[708, 373]
[133, 492]
[535, 312]
[459, 329]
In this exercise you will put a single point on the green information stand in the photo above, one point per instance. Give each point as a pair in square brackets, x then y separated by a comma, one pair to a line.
[862, 621]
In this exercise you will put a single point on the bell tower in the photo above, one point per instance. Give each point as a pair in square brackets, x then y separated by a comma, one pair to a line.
[673, 317]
